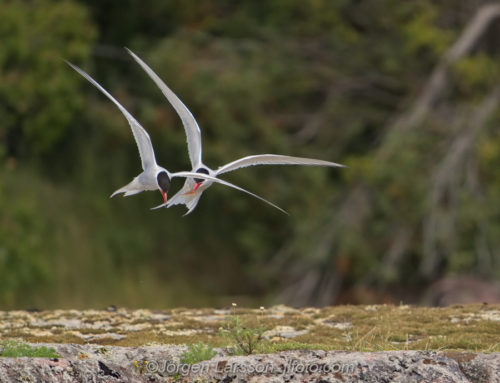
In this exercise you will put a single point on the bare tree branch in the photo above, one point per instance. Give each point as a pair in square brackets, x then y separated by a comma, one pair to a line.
[446, 176]
[438, 81]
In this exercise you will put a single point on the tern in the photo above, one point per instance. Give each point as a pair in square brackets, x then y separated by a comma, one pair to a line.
[153, 177]
[194, 187]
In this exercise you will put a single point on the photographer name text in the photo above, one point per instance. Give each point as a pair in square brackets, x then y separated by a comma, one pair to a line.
[218, 367]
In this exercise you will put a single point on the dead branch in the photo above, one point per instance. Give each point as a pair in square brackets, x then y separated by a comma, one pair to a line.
[446, 177]
[438, 81]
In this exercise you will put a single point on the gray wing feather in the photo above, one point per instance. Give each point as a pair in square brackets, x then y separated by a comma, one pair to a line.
[273, 159]
[141, 136]
[204, 176]
[191, 127]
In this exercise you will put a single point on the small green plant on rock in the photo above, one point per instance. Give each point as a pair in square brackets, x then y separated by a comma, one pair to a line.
[245, 341]
[197, 353]
[14, 349]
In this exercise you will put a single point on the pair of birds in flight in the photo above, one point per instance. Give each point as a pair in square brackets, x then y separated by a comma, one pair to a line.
[201, 177]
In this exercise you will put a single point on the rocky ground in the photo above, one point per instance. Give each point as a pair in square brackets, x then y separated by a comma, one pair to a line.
[333, 344]
[89, 363]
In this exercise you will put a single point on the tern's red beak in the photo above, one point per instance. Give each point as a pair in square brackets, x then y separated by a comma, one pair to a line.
[196, 187]
[165, 197]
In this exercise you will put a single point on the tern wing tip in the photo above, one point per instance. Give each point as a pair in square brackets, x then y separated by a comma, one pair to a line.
[157, 207]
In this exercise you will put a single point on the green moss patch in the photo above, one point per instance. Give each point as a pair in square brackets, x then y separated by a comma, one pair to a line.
[472, 328]
[15, 349]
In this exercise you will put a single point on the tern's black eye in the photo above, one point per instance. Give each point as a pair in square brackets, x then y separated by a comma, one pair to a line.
[203, 171]
[163, 181]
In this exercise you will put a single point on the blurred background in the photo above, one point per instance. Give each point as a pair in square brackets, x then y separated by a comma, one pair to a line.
[406, 94]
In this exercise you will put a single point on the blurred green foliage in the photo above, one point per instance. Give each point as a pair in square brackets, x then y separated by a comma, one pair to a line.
[13, 349]
[34, 36]
[197, 352]
[316, 79]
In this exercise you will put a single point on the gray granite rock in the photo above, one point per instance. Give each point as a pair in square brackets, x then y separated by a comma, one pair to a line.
[91, 363]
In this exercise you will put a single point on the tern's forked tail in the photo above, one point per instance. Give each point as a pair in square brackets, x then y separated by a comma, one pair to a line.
[192, 201]
[130, 189]
[179, 197]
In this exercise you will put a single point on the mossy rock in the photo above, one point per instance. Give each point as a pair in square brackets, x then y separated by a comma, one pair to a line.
[472, 328]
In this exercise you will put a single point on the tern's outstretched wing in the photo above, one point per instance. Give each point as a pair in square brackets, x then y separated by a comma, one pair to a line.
[207, 177]
[191, 127]
[141, 136]
[272, 159]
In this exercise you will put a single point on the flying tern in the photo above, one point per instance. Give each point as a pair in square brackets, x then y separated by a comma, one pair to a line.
[194, 187]
[154, 177]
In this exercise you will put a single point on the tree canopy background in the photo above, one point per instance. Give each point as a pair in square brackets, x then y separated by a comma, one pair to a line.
[404, 93]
